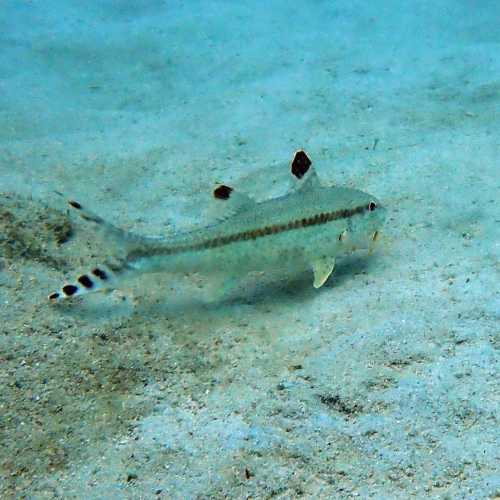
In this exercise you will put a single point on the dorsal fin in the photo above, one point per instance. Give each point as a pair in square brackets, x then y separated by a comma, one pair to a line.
[231, 199]
[300, 164]
[227, 202]
[223, 192]
[305, 177]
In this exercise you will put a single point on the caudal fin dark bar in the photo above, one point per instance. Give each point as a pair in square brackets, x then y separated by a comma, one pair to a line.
[98, 279]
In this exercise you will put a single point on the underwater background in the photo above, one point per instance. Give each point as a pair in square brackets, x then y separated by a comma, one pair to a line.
[382, 384]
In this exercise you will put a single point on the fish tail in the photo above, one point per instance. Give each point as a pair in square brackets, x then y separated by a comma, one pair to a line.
[108, 275]
[108, 231]
[98, 279]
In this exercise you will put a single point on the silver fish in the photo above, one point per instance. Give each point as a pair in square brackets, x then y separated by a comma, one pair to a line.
[309, 226]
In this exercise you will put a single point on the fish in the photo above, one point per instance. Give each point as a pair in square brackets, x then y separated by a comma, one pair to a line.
[308, 227]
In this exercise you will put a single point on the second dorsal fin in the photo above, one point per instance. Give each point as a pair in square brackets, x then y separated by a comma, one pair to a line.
[233, 200]
[227, 201]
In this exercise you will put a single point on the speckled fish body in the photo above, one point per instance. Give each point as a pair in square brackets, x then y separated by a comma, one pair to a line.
[295, 229]
[309, 226]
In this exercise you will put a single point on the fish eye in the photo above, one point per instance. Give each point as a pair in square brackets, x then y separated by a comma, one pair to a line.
[372, 206]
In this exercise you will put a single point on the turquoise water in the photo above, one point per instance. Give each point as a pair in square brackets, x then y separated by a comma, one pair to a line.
[381, 384]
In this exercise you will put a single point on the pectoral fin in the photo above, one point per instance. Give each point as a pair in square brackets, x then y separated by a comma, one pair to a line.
[322, 269]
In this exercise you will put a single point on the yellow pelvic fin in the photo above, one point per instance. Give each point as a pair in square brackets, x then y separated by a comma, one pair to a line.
[322, 269]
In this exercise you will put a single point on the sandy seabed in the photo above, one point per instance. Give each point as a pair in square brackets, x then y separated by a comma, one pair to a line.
[382, 384]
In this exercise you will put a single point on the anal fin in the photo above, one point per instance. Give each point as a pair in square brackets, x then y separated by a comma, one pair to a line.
[322, 268]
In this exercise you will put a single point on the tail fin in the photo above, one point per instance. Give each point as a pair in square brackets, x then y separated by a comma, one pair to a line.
[98, 279]
[106, 229]
[103, 277]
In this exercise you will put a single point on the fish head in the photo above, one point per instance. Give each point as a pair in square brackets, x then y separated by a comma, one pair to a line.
[365, 222]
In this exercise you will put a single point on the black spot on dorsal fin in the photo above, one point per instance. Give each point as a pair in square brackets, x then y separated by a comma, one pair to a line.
[300, 164]
[223, 192]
